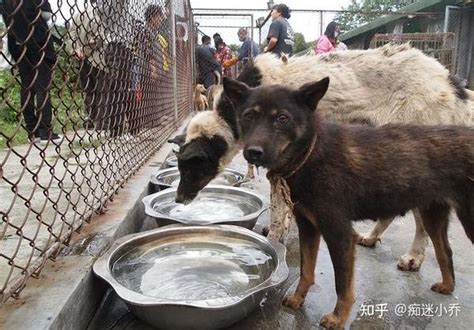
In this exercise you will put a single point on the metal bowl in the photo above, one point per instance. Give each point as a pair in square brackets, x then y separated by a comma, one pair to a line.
[193, 276]
[171, 161]
[169, 177]
[213, 205]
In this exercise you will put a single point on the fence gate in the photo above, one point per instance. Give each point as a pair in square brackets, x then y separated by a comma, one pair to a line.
[438, 45]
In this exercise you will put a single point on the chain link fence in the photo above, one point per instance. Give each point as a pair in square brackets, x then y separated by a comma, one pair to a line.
[438, 45]
[460, 21]
[307, 24]
[89, 91]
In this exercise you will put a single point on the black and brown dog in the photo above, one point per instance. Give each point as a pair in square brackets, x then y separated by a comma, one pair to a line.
[337, 174]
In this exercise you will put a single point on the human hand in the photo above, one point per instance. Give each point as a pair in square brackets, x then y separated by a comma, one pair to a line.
[79, 53]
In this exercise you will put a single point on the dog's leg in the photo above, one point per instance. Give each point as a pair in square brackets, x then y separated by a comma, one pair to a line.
[250, 172]
[341, 244]
[412, 260]
[436, 219]
[309, 237]
[375, 234]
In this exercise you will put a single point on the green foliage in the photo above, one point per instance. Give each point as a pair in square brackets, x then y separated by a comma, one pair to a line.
[300, 43]
[234, 48]
[365, 11]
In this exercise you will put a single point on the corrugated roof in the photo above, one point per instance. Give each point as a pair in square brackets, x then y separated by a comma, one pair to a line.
[414, 7]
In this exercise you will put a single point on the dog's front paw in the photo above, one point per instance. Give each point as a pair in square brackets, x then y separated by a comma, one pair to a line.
[331, 321]
[411, 262]
[293, 301]
[442, 288]
[367, 241]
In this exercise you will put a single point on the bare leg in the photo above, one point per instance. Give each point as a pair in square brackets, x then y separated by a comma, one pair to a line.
[341, 245]
[375, 234]
[310, 237]
[412, 260]
[435, 219]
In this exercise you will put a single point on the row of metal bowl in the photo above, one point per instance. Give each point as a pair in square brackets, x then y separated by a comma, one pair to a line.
[195, 272]
[169, 178]
[224, 190]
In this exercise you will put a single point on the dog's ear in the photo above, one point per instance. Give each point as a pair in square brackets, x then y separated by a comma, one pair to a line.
[309, 94]
[235, 91]
[178, 139]
[192, 151]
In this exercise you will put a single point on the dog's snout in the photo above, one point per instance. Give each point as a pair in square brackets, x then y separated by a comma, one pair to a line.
[254, 153]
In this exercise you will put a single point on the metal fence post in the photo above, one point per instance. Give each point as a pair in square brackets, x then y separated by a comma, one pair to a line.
[193, 44]
[173, 55]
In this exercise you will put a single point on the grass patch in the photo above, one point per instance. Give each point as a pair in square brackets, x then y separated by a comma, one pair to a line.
[66, 99]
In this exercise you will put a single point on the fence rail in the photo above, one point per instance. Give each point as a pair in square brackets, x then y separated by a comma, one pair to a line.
[89, 91]
[441, 46]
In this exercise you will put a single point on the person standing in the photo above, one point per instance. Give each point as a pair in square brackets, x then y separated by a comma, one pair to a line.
[216, 36]
[328, 41]
[87, 44]
[280, 35]
[247, 51]
[159, 51]
[30, 44]
[206, 62]
[223, 53]
[156, 73]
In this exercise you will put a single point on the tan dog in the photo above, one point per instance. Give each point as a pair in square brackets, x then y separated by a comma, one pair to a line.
[214, 90]
[200, 100]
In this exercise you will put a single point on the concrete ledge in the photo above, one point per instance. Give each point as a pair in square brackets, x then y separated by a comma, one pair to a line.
[67, 294]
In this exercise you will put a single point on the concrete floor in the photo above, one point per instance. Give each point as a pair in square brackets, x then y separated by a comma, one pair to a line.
[407, 296]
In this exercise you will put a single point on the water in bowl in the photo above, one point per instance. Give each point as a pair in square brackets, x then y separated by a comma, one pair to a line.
[193, 269]
[208, 207]
[223, 179]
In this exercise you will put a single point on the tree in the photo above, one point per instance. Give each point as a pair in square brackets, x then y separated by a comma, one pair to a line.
[300, 43]
[365, 11]
[234, 48]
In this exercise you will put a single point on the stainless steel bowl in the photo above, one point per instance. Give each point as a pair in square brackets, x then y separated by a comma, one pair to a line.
[171, 161]
[193, 276]
[169, 177]
[162, 207]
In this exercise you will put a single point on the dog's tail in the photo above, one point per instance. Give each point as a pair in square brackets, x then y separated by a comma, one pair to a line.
[217, 77]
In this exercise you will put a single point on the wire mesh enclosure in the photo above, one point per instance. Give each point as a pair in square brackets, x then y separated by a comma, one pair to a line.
[89, 91]
[307, 26]
[438, 45]
[460, 21]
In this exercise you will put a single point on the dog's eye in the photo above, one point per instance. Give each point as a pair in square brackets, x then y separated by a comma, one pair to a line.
[283, 119]
[248, 115]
